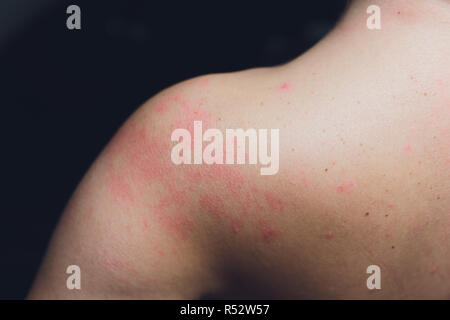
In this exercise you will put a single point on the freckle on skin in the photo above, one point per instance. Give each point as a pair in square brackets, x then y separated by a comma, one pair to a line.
[367, 214]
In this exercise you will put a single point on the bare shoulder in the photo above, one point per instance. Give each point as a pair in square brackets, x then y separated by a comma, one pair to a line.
[173, 207]
[132, 226]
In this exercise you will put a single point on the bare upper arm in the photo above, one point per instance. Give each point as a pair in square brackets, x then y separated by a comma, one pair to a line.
[132, 225]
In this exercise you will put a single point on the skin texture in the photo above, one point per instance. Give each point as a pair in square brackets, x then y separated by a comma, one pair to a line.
[364, 119]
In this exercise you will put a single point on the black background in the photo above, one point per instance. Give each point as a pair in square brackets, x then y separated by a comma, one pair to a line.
[64, 93]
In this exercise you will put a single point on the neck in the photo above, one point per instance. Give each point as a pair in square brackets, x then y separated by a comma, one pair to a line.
[409, 29]
[413, 40]
[400, 12]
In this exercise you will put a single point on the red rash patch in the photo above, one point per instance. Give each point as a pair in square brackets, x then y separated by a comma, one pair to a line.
[408, 148]
[329, 234]
[136, 160]
[274, 201]
[345, 187]
[268, 232]
[284, 86]
[213, 205]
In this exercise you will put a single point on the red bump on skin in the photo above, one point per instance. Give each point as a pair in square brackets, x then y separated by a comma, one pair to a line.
[254, 199]
[299, 177]
[175, 198]
[274, 201]
[162, 107]
[89, 212]
[145, 224]
[236, 225]
[345, 187]
[408, 148]
[119, 265]
[189, 114]
[160, 252]
[119, 187]
[329, 234]
[177, 225]
[203, 82]
[284, 86]
[268, 232]
[214, 206]
[434, 269]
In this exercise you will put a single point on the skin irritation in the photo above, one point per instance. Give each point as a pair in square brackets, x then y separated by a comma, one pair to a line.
[345, 187]
[140, 163]
[235, 203]
[284, 86]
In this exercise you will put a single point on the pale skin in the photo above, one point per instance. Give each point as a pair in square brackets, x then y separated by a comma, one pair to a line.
[364, 179]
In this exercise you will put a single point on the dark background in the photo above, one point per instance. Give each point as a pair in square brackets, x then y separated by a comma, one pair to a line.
[64, 93]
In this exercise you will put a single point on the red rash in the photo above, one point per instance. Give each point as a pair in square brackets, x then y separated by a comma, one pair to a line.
[408, 148]
[137, 163]
[329, 234]
[345, 187]
[284, 86]
[274, 201]
[268, 232]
